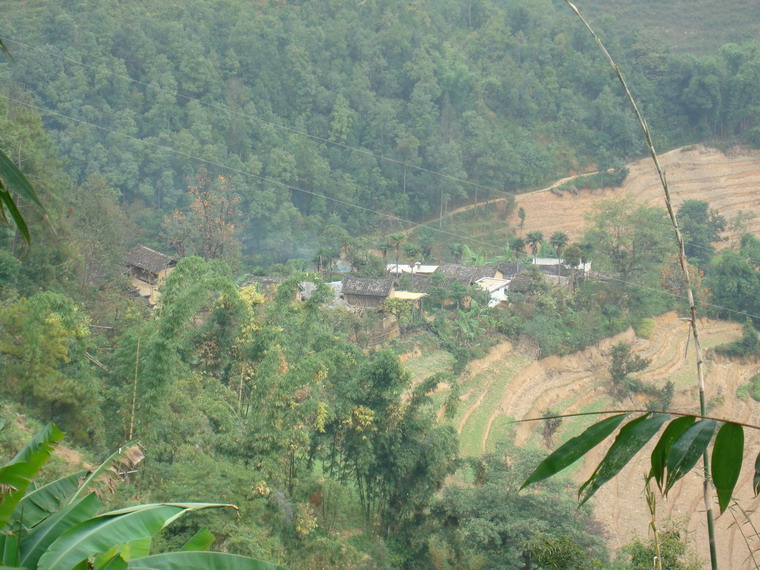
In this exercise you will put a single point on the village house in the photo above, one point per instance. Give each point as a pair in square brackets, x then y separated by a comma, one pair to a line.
[406, 269]
[147, 269]
[362, 292]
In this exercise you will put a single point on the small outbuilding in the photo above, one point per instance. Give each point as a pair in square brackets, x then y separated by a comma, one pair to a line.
[147, 269]
[148, 265]
[363, 292]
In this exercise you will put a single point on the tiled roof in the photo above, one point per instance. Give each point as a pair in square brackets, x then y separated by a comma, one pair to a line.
[466, 274]
[368, 287]
[148, 259]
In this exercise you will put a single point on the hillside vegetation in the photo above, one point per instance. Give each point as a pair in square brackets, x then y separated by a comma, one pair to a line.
[693, 26]
[268, 149]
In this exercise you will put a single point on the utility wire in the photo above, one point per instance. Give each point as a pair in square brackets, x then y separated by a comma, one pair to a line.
[393, 217]
[345, 203]
[288, 129]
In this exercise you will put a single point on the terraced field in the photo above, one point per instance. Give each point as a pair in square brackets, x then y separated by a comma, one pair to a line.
[508, 385]
[728, 182]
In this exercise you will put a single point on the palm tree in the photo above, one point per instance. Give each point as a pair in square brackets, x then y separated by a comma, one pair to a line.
[396, 240]
[559, 241]
[534, 240]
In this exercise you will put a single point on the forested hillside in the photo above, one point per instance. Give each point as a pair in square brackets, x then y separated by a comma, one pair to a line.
[293, 142]
[310, 110]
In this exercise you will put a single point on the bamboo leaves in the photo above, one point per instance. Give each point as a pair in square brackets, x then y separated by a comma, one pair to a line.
[574, 449]
[686, 450]
[682, 443]
[660, 453]
[727, 461]
[631, 438]
[12, 179]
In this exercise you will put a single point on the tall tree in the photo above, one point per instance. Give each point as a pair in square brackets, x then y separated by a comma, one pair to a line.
[701, 227]
[629, 239]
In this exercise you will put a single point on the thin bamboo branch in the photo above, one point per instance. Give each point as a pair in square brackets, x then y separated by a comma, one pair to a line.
[134, 391]
[706, 489]
[636, 411]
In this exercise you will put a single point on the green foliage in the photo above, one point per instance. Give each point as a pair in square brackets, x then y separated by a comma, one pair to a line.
[630, 240]
[622, 366]
[44, 343]
[645, 328]
[67, 532]
[735, 284]
[673, 549]
[488, 523]
[747, 346]
[681, 445]
[701, 227]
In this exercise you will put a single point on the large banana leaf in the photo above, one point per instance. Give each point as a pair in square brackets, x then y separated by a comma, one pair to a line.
[46, 500]
[101, 533]
[12, 179]
[19, 472]
[121, 454]
[34, 545]
[199, 560]
[201, 540]
[8, 551]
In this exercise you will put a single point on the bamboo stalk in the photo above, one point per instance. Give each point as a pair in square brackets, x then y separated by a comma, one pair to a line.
[706, 489]
[134, 392]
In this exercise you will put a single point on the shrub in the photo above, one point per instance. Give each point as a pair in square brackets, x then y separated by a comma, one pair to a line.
[644, 328]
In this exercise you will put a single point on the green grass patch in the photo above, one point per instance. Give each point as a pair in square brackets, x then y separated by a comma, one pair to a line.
[754, 387]
[429, 363]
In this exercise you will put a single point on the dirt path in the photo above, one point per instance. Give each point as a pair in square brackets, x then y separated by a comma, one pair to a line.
[556, 184]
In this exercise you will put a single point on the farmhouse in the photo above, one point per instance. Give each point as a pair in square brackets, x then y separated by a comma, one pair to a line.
[147, 269]
[363, 292]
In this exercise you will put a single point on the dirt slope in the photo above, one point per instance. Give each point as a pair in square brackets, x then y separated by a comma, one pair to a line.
[579, 382]
[728, 182]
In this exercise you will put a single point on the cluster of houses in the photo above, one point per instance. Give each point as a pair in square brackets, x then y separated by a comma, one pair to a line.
[147, 268]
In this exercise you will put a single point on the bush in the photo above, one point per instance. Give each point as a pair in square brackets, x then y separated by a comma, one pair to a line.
[754, 387]
[748, 345]
[644, 328]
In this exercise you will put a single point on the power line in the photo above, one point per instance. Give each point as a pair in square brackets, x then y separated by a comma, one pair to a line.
[260, 120]
[285, 128]
[246, 173]
[349, 204]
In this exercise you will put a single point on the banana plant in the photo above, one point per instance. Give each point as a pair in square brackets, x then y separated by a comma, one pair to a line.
[59, 525]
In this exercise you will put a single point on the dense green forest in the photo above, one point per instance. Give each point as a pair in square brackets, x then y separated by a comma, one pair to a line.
[309, 109]
[279, 137]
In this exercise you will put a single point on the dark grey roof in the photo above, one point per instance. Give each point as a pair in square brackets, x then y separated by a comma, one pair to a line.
[522, 283]
[149, 259]
[368, 287]
[509, 270]
[266, 280]
[466, 274]
[423, 283]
